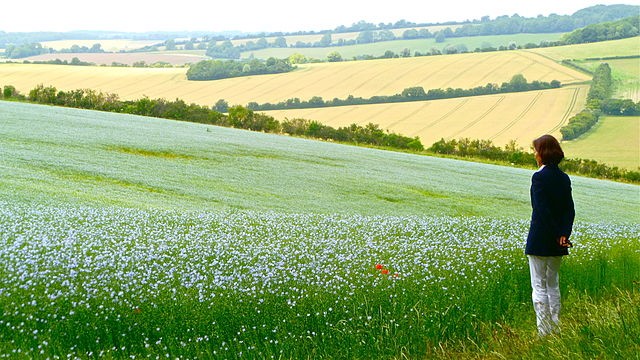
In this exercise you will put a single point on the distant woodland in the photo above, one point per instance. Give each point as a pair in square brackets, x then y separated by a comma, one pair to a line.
[218, 45]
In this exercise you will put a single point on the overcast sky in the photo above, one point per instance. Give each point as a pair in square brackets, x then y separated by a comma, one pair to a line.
[259, 15]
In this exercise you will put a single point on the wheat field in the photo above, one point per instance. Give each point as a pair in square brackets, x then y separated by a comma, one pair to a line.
[500, 118]
[328, 80]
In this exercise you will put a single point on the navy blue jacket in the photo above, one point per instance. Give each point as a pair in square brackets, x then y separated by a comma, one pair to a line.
[553, 212]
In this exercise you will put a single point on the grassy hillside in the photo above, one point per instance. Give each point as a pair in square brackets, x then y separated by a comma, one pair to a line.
[397, 46]
[614, 140]
[57, 155]
[625, 73]
[132, 237]
[623, 47]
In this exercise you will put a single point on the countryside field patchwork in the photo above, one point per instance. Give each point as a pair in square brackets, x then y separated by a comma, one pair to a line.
[398, 46]
[328, 80]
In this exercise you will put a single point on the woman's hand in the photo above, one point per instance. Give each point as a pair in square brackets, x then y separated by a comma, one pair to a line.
[564, 242]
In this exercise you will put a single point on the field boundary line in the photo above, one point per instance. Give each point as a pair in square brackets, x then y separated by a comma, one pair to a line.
[519, 117]
[479, 118]
[562, 69]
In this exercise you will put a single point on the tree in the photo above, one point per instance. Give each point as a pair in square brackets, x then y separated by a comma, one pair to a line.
[325, 40]
[9, 91]
[297, 58]
[518, 83]
[170, 44]
[440, 38]
[414, 92]
[386, 35]
[280, 42]
[365, 37]
[221, 106]
[410, 34]
[334, 56]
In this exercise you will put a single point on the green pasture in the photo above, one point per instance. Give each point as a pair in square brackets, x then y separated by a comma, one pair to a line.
[622, 47]
[85, 157]
[133, 237]
[397, 46]
[613, 140]
[625, 73]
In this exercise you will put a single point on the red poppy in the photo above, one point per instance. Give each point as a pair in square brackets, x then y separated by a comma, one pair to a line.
[384, 271]
[379, 266]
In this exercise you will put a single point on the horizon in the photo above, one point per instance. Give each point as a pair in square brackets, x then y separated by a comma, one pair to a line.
[142, 18]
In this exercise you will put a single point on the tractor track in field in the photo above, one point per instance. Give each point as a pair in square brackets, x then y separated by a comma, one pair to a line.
[567, 114]
[449, 113]
[519, 117]
[408, 116]
[479, 118]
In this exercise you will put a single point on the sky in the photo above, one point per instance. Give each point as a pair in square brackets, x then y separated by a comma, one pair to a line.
[260, 15]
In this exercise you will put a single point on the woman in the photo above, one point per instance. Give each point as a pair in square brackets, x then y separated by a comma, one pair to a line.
[551, 224]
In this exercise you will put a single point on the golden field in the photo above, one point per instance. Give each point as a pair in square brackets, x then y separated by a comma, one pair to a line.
[500, 118]
[328, 80]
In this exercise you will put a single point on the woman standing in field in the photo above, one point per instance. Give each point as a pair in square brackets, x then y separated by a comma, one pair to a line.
[551, 224]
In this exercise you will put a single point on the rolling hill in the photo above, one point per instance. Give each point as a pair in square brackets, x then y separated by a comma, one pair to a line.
[57, 156]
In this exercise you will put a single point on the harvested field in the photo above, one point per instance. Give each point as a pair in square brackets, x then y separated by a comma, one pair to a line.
[500, 118]
[328, 80]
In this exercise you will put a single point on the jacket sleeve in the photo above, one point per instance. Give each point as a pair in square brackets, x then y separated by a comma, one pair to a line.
[569, 213]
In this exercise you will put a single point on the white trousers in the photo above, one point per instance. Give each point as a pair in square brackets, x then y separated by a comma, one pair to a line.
[546, 292]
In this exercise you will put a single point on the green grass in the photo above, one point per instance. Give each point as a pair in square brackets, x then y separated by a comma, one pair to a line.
[625, 73]
[125, 236]
[94, 158]
[397, 46]
[623, 47]
[614, 141]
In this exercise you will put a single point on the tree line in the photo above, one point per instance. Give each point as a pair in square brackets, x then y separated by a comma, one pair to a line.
[34, 49]
[218, 69]
[237, 116]
[515, 155]
[599, 102]
[621, 29]
[516, 84]
[596, 19]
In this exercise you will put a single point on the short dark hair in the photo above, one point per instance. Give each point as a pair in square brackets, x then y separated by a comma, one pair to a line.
[549, 150]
